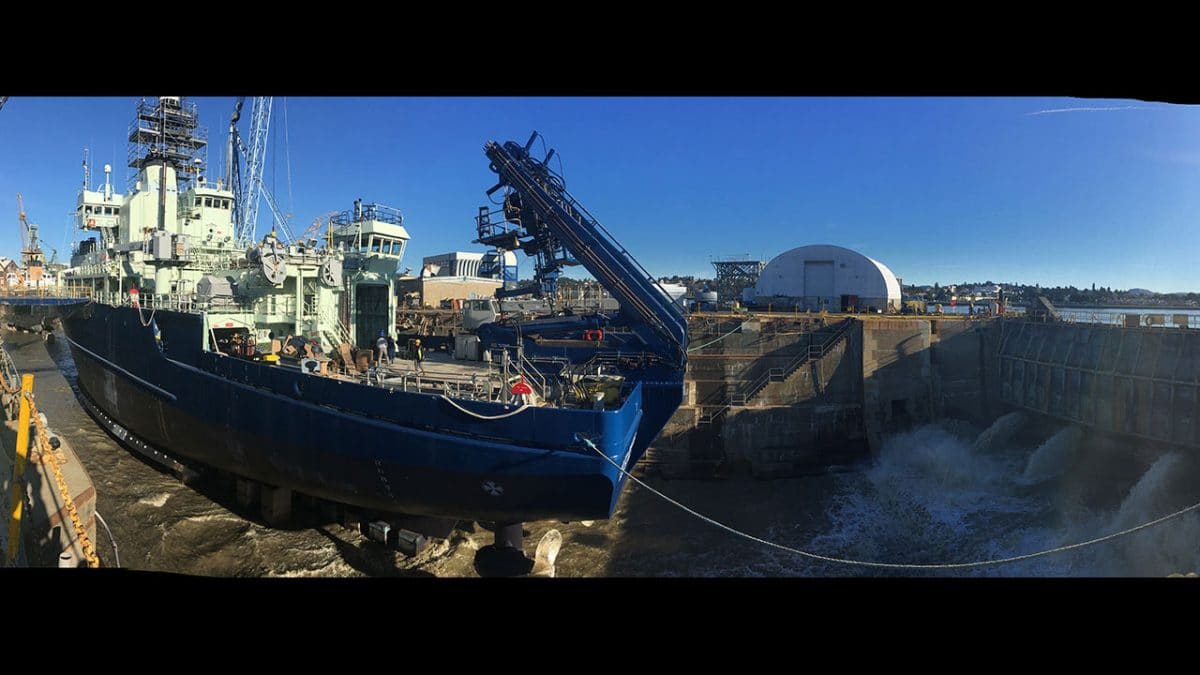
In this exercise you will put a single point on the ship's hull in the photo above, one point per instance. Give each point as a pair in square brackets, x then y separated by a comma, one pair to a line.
[370, 447]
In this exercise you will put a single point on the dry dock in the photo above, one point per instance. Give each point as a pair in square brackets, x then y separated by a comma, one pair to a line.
[162, 524]
[939, 487]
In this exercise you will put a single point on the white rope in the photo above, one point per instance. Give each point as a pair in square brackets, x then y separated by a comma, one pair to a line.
[899, 566]
[116, 554]
[483, 417]
[141, 318]
[739, 327]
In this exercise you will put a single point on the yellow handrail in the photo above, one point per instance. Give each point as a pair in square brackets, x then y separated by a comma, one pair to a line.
[18, 486]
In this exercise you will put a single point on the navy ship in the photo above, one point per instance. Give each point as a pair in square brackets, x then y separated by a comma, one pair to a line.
[206, 345]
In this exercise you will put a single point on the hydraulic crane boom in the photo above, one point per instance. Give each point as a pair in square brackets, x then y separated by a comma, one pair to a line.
[549, 216]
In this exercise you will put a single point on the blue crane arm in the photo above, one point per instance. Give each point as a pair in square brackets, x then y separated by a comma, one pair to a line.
[655, 318]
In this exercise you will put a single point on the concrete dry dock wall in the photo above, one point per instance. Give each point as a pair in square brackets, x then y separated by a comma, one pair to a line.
[805, 410]
[1141, 382]
[885, 375]
[917, 370]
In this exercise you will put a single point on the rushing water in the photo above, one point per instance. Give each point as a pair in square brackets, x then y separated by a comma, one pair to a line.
[938, 493]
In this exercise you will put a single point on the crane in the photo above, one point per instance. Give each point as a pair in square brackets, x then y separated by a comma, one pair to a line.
[260, 122]
[248, 186]
[23, 225]
[31, 252]
[550, 225]
[311, 232]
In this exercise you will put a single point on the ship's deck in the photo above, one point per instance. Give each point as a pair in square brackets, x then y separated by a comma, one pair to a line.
[441, 373]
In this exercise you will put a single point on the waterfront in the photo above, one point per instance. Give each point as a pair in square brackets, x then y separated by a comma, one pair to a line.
[943, 492]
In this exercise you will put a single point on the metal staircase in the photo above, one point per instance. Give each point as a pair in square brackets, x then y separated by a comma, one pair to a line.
[746, 391]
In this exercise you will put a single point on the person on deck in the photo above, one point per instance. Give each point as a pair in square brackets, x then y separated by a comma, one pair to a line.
[381, 347]
[418, 356]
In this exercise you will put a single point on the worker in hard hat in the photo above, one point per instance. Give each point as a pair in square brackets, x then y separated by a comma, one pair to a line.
[418, 356]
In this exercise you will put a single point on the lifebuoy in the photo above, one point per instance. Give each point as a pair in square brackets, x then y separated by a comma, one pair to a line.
[593, 335]
[91, 222]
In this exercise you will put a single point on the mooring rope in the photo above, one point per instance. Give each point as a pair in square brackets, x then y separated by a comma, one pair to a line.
[716, 340]
[116, 553]
[449, 400]
[899, 566]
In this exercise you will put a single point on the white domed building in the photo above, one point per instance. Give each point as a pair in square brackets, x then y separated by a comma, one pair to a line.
[826, 277]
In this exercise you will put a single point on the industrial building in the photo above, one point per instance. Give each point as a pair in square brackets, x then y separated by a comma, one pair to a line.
[469, 264]
[458, 275]
[826, 277]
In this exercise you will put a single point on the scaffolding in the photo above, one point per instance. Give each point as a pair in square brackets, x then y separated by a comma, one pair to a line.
[168, 131]
[735, 273]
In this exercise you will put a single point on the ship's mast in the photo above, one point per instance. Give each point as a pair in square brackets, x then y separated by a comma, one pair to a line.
[167, 135]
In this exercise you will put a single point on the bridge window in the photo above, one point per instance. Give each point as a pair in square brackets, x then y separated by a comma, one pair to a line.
[225, 204]
[375, 243]
[208, 201]
[197, 201]
[87, 209]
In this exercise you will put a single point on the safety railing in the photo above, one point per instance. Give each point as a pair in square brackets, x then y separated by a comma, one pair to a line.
[56, 291]
[1132, 319]
[747, 391]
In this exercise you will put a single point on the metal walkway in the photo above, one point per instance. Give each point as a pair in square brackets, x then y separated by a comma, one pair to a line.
[45, 297]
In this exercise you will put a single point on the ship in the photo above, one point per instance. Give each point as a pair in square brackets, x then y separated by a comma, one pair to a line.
[204, 345]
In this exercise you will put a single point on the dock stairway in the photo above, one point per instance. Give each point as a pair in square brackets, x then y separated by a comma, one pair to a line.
[747, 391]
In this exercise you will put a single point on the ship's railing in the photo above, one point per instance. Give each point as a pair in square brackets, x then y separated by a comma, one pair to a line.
[179, 302]
[384, 214]
[57, 291]
[480, 389]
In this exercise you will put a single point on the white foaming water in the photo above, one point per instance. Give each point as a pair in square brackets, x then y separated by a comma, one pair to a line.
[156, 501]
[1051, 457]
[930, 498]
[1000, 431]
[1168, 486]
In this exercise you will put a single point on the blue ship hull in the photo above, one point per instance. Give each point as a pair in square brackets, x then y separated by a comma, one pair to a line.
[390, 452]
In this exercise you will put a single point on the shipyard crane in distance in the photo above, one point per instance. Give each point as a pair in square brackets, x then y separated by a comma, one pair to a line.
[21, 223]
[31, 252]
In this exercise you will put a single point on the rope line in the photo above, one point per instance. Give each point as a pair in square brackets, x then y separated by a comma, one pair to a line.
[695, 349]
[116, 553]
[484, 417]
[900, 566]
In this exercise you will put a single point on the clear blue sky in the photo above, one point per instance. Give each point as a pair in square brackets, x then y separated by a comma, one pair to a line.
[940, 190]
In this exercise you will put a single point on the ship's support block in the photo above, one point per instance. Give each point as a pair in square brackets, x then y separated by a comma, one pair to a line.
[391, 535]
[506, 556]
[247, 493]
[276, 505]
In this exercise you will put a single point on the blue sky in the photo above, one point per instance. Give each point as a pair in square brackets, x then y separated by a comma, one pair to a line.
[1040, 190]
